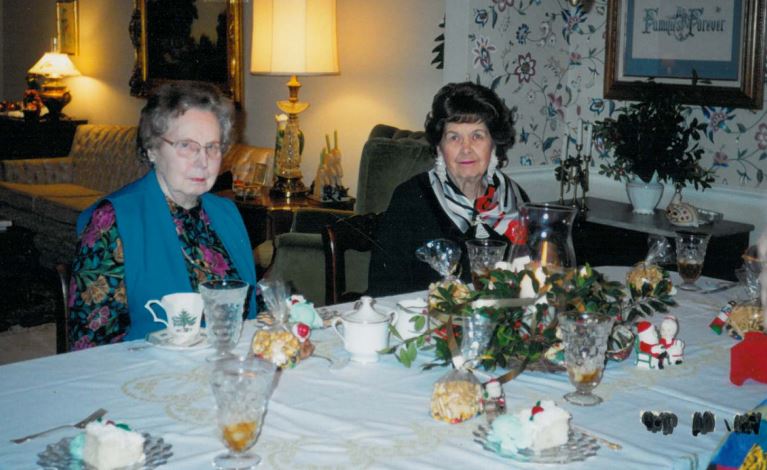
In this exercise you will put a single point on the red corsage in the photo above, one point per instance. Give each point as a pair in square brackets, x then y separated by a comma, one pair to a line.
[516, 233]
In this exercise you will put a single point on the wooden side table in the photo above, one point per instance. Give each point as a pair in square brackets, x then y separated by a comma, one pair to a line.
[265, 217]
[611, 234]
[44, 138]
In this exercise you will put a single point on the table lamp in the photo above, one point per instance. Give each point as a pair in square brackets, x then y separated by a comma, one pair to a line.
[51, 69]
[293, 37]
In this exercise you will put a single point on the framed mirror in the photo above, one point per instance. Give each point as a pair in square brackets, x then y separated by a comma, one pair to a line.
[716, 44]
[187, 40]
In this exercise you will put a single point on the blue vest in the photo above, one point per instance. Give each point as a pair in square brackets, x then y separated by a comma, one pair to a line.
[154, 263]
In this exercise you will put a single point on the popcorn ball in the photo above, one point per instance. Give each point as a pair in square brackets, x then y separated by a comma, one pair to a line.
[280, 347]
[456, 401]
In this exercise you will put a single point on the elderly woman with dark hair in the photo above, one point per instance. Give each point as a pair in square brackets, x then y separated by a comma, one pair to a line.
[464, 196]
[164, 232]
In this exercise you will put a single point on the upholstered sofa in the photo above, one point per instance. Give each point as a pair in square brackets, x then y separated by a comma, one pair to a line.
[390, 156]
[46, 195]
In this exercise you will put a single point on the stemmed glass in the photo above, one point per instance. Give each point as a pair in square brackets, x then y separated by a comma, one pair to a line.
[224, 303]
[483, 254]
[690, 253]
[476, 334]
[242, 387]
[585, 340]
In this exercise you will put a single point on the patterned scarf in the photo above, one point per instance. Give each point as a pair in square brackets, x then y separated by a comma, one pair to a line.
[496, 209]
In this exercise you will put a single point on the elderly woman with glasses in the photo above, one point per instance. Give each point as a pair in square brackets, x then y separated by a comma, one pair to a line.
[163, 233]
[464, 196]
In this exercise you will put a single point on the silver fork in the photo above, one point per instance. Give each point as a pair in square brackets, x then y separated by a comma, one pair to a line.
[92, 417]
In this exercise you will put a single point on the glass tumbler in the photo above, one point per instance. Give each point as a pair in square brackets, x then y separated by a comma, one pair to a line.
[224, 304]
[242, 387]
[690, 253]
[585, 338]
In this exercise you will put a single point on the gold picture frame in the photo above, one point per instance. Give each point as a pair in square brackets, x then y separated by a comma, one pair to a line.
[703, 80]
[166, 48]
[67, 27]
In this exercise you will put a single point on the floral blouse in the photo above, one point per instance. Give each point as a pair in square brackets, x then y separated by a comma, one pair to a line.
[98, 303]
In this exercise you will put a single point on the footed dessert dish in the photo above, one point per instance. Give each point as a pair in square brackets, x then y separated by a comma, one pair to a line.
[540, 427]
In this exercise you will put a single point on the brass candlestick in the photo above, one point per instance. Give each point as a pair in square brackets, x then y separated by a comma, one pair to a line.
[573, 173]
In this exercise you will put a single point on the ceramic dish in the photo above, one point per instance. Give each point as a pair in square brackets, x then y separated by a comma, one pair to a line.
[57, 456]
[579, 447]
[161, 339]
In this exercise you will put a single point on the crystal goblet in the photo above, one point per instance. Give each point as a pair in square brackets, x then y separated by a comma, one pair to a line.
[477, 331]
[242, 387]
[690, 253]
[585, 339]
[224, 303]
[483, 254]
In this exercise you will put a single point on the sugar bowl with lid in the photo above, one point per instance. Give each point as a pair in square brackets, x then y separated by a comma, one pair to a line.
[365, 329]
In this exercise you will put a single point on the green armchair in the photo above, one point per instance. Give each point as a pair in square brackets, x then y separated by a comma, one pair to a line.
[390, 157]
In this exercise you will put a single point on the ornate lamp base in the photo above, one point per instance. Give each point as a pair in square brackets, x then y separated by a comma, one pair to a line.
[55, 97]
[286, 188]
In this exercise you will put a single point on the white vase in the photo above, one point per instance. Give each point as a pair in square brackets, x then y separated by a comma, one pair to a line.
[644, 197]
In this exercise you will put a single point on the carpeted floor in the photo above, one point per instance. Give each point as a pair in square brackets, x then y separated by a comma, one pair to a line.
[30, 299]
[21, 344]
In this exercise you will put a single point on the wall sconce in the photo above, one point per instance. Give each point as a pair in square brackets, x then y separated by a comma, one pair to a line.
[293, 37]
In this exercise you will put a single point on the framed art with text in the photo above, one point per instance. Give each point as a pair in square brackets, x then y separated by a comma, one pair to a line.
[187, 40]
[67, 27]
[710, 52]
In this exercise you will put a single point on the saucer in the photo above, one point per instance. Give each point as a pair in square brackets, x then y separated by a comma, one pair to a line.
[162, 339]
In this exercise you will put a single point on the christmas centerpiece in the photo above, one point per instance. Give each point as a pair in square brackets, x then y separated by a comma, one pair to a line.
[523, 305]
[523, 298]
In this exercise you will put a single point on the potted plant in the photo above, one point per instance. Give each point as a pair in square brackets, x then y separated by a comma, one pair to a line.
[652, 143]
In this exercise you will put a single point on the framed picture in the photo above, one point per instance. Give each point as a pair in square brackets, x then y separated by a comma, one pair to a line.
[187, 40]
[67, 26]
[711, 52]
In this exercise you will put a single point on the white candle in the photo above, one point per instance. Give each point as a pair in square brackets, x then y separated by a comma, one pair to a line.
[579, 142]
[565, 146]
[587, 141]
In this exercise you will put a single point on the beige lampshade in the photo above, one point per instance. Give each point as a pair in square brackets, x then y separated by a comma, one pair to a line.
[54, 65]
[294, 37]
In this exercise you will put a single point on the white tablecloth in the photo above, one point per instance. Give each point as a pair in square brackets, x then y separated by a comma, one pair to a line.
[371, 416]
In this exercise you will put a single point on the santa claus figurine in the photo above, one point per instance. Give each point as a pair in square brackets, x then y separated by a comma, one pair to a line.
[674, 346]
[652, 353]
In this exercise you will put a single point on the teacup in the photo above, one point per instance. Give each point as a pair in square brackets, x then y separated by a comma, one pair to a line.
[366, 330]
[184, 313]
[407, 311]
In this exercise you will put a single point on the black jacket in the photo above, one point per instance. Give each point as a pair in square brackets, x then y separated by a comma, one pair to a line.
[413, 218]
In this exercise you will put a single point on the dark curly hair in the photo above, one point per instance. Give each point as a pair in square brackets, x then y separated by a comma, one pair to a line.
[173, 99]
[468, 102]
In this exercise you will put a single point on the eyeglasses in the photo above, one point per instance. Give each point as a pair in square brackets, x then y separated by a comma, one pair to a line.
[188, 148]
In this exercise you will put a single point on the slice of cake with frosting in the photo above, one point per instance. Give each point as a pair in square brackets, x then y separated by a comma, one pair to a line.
[540, 427]
[106, 446]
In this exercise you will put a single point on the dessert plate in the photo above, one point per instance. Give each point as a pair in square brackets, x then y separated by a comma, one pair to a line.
[579, 447]
[162, 339]
[58, 457]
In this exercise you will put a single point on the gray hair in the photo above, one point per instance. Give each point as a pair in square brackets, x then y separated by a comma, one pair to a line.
[171, 101]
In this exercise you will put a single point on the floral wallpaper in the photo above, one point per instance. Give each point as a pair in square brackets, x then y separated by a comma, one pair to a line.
[546, 59]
